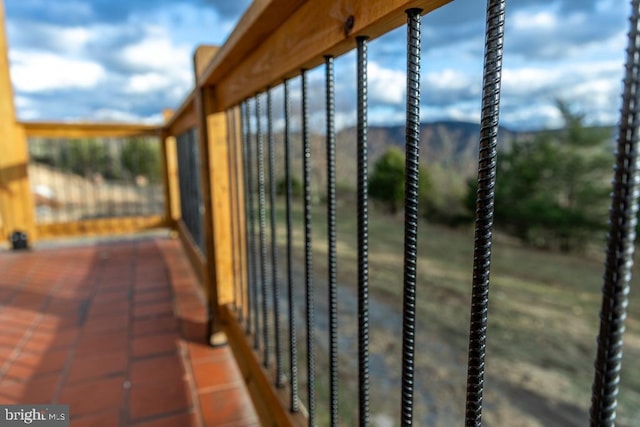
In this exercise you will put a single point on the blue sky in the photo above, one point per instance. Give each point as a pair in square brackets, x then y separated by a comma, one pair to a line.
[126, 60]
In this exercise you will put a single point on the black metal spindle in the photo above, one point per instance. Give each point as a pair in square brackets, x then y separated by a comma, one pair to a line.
[308, 253]
[332, 259]
[231, 138]
[275, 289]
[247, 192]
[621, 238]
[363, 235]
[263, 237]
[412, 171]
[253, 285]
[484, 209]
[293, 339]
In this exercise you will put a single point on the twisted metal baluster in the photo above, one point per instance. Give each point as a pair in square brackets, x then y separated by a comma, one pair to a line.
[308, 254]
[622, 233]
[332, 259]
[263, 237]
[254, 249]
[484, 209]
[412, 149]
[247, 194]
[293, 339]
[274, 248]
[363, 235]
[238, 162]
[233, 220]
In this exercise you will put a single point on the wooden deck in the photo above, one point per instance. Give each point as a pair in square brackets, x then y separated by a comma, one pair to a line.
[115, 329]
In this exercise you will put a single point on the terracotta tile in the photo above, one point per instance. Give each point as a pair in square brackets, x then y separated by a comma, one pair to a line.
[199, 353]
[106, 419]
[10, 340]
[27, 365]
[61, 338]
[96, 366]
[155, 344]
[63, 321]
[95, 325]
[109, 309]
[153, 296]
[93, 396]
[36, 390]
[158, 309]
[5, 354]
[194, 331]
[215, 374]
[181, 420]
[94, 343]
[40, 343]
[149, 399]
[156, 369]
[154, 325]
[226, 407]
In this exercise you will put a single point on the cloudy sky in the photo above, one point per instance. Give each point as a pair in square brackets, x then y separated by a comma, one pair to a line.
[129, 59]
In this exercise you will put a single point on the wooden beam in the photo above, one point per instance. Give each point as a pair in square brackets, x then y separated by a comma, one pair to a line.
[184, 119]
[195, 255]
[170, 175]
[203, 55]
[16, 199]
[100, 227]
[203, 109]
[221, 205]
[293, 41]
[88, 130]
[260, 20]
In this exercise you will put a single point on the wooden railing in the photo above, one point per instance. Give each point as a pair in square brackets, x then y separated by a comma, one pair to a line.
[274, 41]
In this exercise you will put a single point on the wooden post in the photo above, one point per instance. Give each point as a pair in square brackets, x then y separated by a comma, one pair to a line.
[212, 137]
[16, 199]
[170, 173]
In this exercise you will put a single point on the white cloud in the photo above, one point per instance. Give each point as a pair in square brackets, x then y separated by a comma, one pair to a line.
[449, 79]
[114, 115]
[542, 20]
[144, 83]
[156, 52]
[39, 71]
[386, 85]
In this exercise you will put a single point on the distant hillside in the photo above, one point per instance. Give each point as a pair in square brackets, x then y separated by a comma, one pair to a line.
[449, 144]
[448, 148]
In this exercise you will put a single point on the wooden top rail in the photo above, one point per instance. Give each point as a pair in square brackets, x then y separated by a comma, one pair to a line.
[87, 130]
[275, 39]
[184, 118]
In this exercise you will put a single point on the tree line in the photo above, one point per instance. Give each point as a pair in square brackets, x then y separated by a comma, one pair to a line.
[551, 189]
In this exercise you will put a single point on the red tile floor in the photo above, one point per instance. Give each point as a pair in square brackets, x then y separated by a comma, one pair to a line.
[114, 329]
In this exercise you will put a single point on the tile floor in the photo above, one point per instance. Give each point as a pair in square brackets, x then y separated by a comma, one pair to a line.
[114, 329]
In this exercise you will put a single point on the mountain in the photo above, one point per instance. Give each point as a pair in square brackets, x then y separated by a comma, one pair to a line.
[449, 144]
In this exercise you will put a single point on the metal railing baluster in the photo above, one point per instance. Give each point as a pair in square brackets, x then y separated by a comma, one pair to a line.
[275, 289]
[484, 209]
[231, 170]
[293, 341]
[412, 171]
[252, 232]
[263, 237]
[363, 234]
[308, 253]
[620, 246]
[246, 164]
[332, 258]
